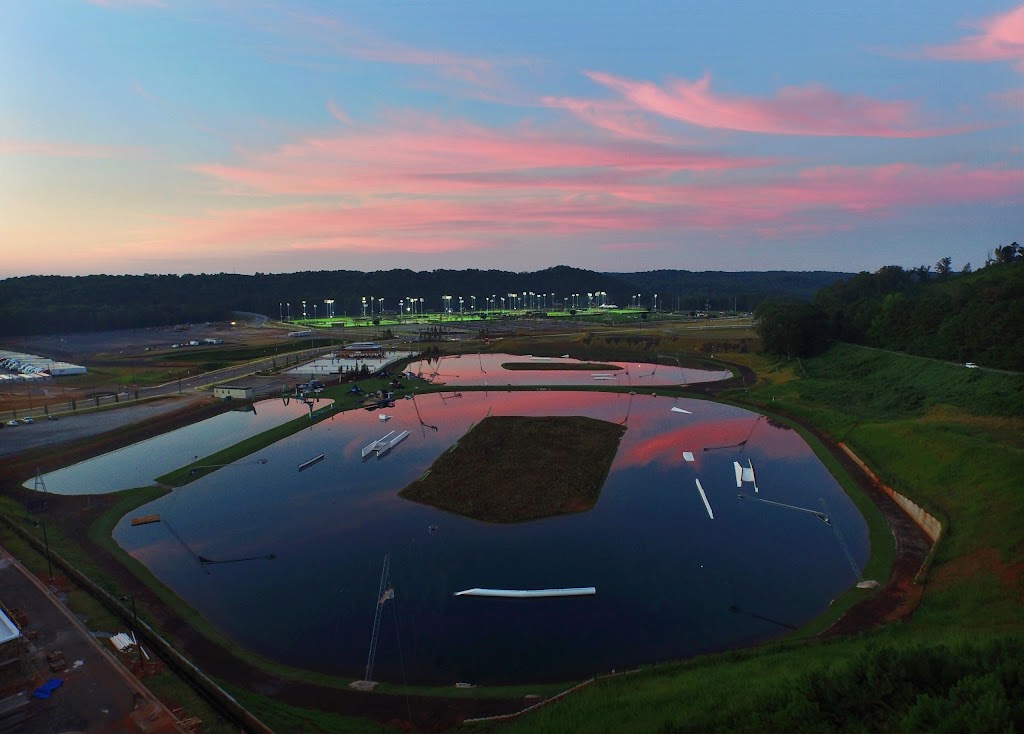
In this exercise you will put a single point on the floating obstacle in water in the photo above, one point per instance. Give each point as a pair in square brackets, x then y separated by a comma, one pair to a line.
[688, 456]
[145, 519]
[705, 498]
[315, 460]
[385, 443]
[744, 474]
[528, 593]
[680, 410]
[602, 376]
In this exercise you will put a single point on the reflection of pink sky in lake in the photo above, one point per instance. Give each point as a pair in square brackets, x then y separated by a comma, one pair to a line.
[653, 437]
[331, 524]
[486, 369]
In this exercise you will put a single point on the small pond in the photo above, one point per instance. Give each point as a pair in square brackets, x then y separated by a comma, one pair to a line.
[487, 369]
[671, 582]
[139, 464]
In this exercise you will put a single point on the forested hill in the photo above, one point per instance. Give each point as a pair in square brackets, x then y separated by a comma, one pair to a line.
[976, 317]
[63, 304]
[961, 317]
[719, 288]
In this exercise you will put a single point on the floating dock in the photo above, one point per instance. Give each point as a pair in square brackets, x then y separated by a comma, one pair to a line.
[680, 410]
[529, 593]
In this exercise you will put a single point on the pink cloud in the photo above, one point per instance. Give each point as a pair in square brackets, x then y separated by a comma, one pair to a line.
[810, 110]
[817, 200]
[1001, 39]
[615, 117]
[428, 157]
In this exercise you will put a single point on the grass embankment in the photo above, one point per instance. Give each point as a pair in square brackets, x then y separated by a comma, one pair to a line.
[951, 439]
[517, 468]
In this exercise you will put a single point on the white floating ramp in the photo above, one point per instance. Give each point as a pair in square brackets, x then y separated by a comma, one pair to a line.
[680, 410]
[705, 498]
[528, 593]
[383, 440]
[385, 443]
[744, 474]
[688, 455]
[392, 443]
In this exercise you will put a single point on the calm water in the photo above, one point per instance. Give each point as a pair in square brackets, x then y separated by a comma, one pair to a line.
[139, 464]
[486, 369]
[671, 582]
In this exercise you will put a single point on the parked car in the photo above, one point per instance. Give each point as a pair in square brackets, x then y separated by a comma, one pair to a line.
[12, 423]
[51, 417]
[27, 419]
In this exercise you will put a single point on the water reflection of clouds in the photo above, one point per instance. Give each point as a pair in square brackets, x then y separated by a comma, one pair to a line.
[481, 369]
[339, 518]
[139, 464]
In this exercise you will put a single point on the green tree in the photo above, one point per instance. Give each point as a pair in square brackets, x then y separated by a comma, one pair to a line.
[792, 328]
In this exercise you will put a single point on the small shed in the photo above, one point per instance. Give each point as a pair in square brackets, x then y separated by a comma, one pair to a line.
[237, 392]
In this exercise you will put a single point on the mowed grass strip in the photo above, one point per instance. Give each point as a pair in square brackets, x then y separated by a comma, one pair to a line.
[517, 468]
[581, 366]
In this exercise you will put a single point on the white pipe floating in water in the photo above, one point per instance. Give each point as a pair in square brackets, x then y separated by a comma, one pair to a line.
[705, 498]
[528, 593]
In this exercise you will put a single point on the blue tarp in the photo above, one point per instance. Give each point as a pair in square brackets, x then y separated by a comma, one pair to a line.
[47, 688]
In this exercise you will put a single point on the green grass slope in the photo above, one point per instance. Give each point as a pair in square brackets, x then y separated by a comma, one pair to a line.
[951, 439]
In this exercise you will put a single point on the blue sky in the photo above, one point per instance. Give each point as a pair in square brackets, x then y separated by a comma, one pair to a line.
[163, 136]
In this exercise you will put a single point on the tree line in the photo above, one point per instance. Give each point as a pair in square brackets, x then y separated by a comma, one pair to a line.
[63, 304]
[941, 313]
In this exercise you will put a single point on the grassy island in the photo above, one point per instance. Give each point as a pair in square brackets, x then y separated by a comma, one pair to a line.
[515, 468]
[581, 366]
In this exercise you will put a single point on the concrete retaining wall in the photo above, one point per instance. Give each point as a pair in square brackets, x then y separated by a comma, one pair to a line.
[927, 522]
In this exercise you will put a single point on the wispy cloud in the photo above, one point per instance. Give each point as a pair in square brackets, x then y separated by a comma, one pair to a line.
[613, 116]
[1001, 38]
[445, 215]
[809, 110]
[429, 157]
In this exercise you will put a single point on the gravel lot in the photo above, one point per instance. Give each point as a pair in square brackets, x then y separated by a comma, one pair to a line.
[14, 440]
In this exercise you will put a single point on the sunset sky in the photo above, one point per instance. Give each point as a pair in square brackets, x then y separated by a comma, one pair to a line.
[167, 136]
